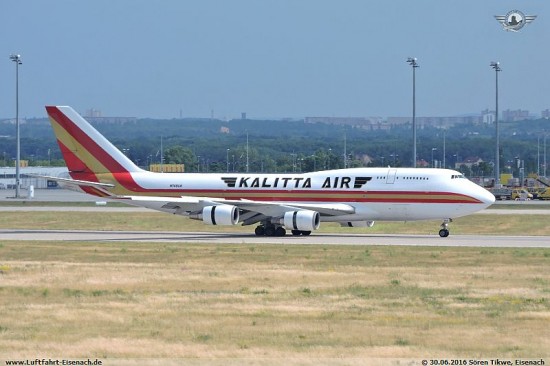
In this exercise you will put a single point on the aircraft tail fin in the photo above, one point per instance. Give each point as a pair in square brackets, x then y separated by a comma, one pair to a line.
[86, 151]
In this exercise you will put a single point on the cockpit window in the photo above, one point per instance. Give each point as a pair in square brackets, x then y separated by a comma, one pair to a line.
[457, 176]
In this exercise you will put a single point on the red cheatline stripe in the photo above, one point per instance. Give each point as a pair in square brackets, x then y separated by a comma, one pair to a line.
[318, 196]
[314, 195]
[305, 193]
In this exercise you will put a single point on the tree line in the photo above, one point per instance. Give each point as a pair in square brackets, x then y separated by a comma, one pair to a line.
[209, 145]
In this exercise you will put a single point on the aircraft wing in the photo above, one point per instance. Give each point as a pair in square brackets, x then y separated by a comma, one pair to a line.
[252, 211]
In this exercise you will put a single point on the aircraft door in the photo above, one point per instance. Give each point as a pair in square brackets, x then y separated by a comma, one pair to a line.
[390, 179]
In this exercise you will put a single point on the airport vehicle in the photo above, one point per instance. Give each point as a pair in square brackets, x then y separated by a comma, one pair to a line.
[521, 194]
[543, 194]
[516, 194]
[276, 202]
[502, 193]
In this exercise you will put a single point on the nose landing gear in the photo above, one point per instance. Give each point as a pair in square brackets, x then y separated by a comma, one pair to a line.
[444, 232]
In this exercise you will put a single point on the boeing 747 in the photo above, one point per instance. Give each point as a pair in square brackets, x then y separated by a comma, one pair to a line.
[275, 202]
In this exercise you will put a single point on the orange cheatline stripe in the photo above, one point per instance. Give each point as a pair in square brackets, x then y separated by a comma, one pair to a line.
[318, 196]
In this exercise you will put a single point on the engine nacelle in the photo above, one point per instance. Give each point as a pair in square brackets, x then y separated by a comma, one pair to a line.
[218, 215]
[304, 220]
[357, 224]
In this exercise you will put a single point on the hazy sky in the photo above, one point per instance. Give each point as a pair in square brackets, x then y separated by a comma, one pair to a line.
[271, 58]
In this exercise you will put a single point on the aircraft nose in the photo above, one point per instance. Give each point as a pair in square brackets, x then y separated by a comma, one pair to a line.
[485, 196]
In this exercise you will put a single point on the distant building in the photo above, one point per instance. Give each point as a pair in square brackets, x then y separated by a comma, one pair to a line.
[422, 163]
[111, 120]
[487, 116]
[7, 176]
[440, 122]
[94, 116]
[378, 123]
[92, 113]
[517, 115]
[366, 123]
[507, 115]
[469, 162]
[12, 121]
[545, 113]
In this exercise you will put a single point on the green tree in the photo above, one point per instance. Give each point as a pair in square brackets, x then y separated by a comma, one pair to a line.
[180, 155]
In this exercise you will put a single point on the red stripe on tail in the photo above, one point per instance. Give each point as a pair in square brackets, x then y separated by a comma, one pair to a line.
[83, 139]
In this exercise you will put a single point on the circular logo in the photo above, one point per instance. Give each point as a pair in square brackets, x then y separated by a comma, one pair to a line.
[514, 20]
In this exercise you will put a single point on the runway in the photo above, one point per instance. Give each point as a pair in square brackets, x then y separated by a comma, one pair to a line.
[46, 195]
[314, 239]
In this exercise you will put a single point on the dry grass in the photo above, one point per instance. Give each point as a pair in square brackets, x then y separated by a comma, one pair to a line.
[268, 301]
[234, 302]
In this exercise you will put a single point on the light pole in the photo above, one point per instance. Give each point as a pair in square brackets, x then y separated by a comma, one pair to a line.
[496, 67]
[414, 64]
[394, 156]
[433, 149]
[345, 152]
[444, 152]
[544, 158]
[247, 151]
[538, 156]
[17, 60]
[456, 161]
[227, 159]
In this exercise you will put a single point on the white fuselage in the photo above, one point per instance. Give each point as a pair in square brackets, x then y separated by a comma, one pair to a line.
[399, 194]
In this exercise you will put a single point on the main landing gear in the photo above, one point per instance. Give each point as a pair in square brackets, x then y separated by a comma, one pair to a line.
[272, 230]
[444, 232]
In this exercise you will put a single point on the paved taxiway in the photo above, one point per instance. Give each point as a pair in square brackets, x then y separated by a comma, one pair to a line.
[314, 239]
[228, 238]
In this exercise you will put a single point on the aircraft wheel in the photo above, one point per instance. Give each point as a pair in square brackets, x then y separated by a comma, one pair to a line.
[280, 231]
[259, 231]
[443, 233]
[270, 231]
[306, 233]
[296, 232]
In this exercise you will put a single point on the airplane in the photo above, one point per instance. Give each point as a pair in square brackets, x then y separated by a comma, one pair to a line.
[298, 202]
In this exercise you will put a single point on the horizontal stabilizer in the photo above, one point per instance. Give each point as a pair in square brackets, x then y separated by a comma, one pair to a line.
[95, 188]
[75, 182]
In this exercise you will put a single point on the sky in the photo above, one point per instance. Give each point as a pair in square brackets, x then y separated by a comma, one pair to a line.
[271, 58]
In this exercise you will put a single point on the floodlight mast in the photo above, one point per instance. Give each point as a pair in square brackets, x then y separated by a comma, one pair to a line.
[496, 67]
[412, 61]
[17, 59]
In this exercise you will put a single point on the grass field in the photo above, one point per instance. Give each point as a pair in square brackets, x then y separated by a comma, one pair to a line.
[145, 300]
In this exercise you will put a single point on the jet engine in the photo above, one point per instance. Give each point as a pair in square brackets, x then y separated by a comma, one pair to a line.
[304, 220]
[357, 224]
[218, 215]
